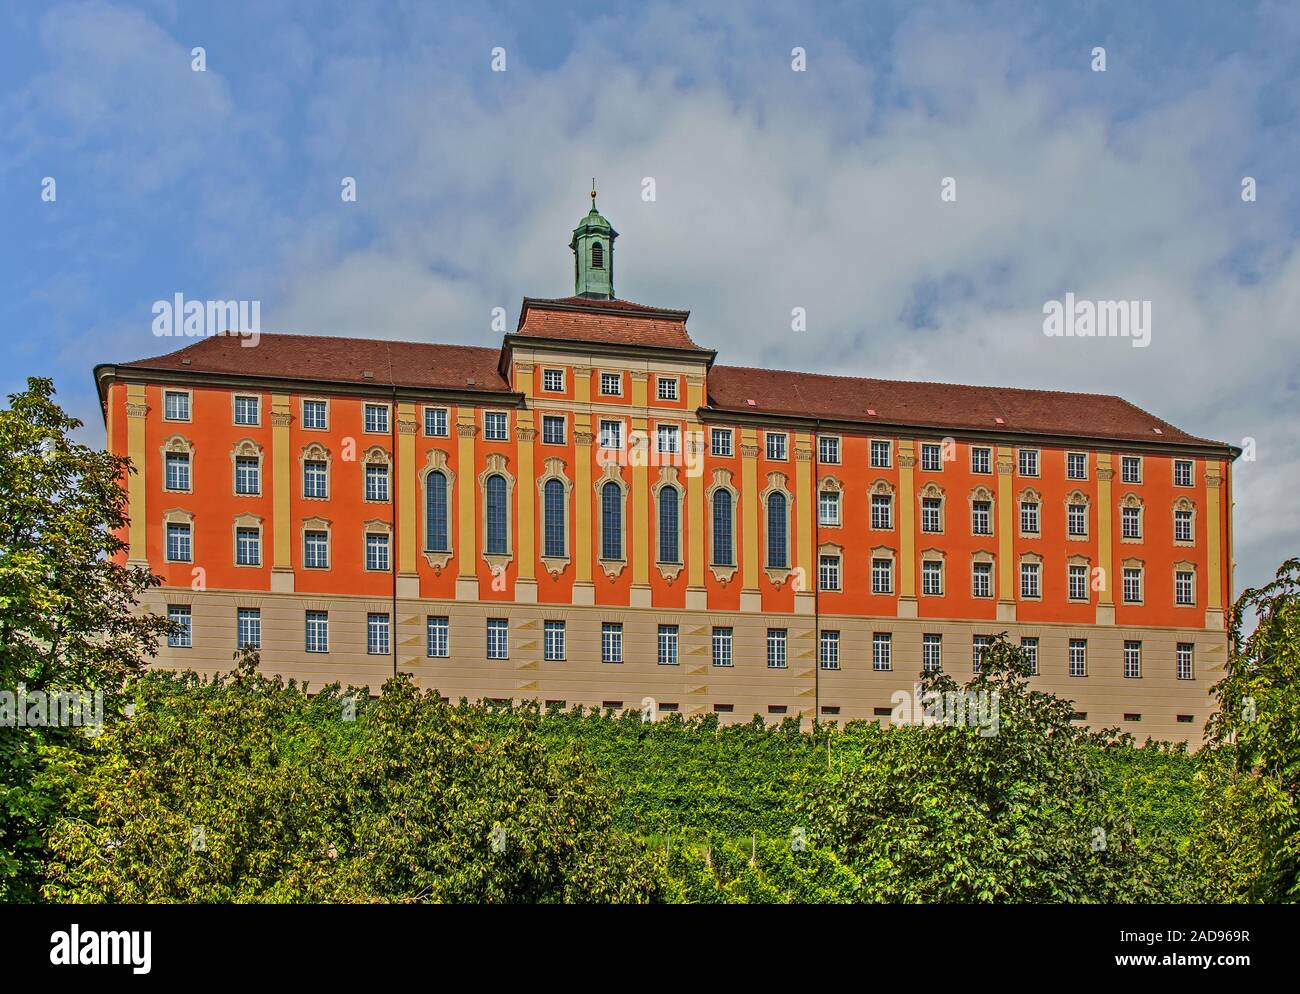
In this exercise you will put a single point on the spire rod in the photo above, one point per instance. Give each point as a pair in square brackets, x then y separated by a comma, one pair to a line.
[593, 193]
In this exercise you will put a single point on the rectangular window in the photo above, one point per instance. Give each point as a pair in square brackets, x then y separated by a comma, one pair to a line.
[179, 549]
[376, 482]
[176, 406]
[377, 634]
[1184, 588]
[668, 438]
[318, 631]
[1029, 648]
[667, 645]
[776, 648]
[1076, 465]
[720, 442]
[666, 387]
[437, 629]
[1183, 660]
[553, 641]
[248, 628]
[436, 424]
[611, 642]
[1029, 517]
[882, 512]
[828, 652]
[1182, 472]
[1078, 582]
[315, 545]
[979, 645]
[178, 471]
[931, 457]
[981, 459]
[981, 517]
[881, 652]
[776, 445]
[828, 572]
[1132, 585]
[828, 450]
[552, 429]
[882, 576]
[498, 638]
[981, 580]
[1182, 526]
[248, 547]
[1131, 522]
[611, 384]
[931, 653]
[828, 507]
[931, 514]
[932, 578]
[1132, 660]
[494, 426]
[377, 552]
[246, 410]
[376, 419]
[722, 647]
[314, 479]
[1028, 462]
[313, 414]
[611, 434]
[553, 380]
[182, 634]
[248, 476]
[1077, 520]
[1029, 585]
[1131, 469]
[880, 454]
[1078, 657]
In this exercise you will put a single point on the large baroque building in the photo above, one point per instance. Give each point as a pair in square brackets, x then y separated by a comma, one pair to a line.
[598, 513]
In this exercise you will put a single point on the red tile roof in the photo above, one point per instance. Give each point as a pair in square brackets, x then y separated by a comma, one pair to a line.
[340, 360]
[742, 390]
[584, 319]
[936, 405]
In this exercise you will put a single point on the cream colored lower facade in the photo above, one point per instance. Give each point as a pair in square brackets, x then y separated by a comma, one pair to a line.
[1170, 708]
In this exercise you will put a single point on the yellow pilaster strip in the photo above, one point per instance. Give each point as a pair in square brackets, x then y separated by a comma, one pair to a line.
[1105, 556]
[408, 524]
[281, 529]
[1006, 522]
[525, 487]
[1214, 533]
[467, 551]
[749, 509]
[640, 495]
[136, 412]
[695, 487]
[583, 592]
[907, 528]
[805, 505]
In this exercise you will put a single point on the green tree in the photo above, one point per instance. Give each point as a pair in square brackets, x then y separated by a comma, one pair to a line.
[1257, 730]
[69, 618]
[947, 813]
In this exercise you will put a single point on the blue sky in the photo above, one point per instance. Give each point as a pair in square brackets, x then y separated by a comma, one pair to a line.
[775, 189]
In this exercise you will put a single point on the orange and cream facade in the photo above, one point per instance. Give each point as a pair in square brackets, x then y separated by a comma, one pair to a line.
[599, 513]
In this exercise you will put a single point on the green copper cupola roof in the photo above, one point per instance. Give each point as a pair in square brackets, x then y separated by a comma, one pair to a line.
[593, 254]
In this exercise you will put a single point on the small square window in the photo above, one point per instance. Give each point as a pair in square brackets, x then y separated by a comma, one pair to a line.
[247, 410]
[553, 380]
[666, 388]
[436, 422]
[611, 384]
[176, 405]
[376, 419]
[495, 426]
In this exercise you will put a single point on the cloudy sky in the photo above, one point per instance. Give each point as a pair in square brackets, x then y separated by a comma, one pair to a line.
[774, 189]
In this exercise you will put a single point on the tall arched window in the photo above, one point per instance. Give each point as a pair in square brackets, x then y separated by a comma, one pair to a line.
[723, 546]
[553, 509]
[611, 521]
[496, 515]
[777, 553]
[597, 256]
[668, 526]
[435, 510]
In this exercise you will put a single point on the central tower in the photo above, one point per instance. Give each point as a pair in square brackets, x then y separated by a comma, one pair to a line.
[593, 254]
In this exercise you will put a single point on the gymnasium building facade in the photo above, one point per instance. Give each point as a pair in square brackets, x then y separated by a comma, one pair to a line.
[597, 512]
